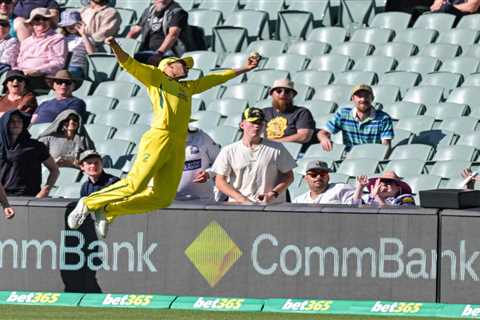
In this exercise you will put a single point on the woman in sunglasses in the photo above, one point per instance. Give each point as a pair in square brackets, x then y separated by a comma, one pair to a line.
[388, 189]
[16, 94]
[9, 45]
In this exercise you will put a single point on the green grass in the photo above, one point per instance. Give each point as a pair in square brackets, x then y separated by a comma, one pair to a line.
[11, 312]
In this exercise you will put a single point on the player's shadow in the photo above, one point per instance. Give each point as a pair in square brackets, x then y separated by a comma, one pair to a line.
[84, 279]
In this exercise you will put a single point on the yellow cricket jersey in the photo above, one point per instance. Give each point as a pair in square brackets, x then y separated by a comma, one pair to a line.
[172, 99]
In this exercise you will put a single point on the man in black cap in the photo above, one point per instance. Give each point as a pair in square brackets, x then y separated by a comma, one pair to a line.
[92, 165]
[254, 169]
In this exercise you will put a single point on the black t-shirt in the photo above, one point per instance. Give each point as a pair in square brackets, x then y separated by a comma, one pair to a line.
[21, 172]
[154, 35]
[89, 187]
[283, 124]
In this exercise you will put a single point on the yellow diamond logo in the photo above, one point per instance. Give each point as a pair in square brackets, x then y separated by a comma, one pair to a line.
[213, 253]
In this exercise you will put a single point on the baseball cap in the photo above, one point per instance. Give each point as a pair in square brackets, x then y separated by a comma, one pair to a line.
[362, 87]
[87, 154]
[317, 165]
[166, 61]
[253, 115]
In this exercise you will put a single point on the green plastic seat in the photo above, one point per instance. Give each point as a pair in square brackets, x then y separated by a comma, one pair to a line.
[267, 48]
[373, 36]
[458, 36]
[117, 118]
[449, 168]
[422, 65]
[397, 50]
[418, 37]
[377, 64]
[386, 94]
[313, 78]
[353, 49]
[287, 61]
[293, 25]
[228, 106]
[416, 123]
[203, 60]
[391, 20]
[356, 77]
[338, 93]
[462, 65]
[406, 167]
[421, 152]
[456, 152]
[330, 35]
[255, 22]
[358, 167]
[426, 95]
[116, 89]
[434, 137]
[437, 21]
[459, 125]
[100, 132]
[133, 132]
[402, 109]
[331, 62]
[440, 50]
[309, 48]
[369, 150]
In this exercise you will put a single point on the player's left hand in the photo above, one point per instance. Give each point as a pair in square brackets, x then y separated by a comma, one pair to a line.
[201, 177]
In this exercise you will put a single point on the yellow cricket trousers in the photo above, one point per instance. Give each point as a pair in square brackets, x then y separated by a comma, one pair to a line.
[161, 156]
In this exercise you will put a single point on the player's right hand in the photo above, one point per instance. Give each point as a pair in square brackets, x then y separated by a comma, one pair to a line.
[110, 41]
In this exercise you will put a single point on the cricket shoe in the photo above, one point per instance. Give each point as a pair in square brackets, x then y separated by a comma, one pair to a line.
[77, 216]
[101, 223]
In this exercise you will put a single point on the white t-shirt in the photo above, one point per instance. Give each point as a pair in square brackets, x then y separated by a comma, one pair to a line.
[336, 193]
[254, 171]
[200, 153]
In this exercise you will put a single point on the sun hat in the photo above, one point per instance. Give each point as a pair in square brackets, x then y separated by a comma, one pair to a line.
[69, 18]
[283, 83]
[63, 75]
[42, 12]
[392, 176]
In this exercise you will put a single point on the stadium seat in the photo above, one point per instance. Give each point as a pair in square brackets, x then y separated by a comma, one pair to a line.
[434, 137]
[395, 50]
[97, 104]
[228, 106]
[455, 183]
[391, 20]
[316, 151]
[465, 95]
[304, 92]
[461, 37]
[377, 64]
[193, 74]
[128, 17]
[440, 50]
[412, 151]
[227, 39]
[287, 61]
[470, 139]
[472, 80]
[224, 135]
[369, 150]
[456, 152]
[293, 148]
[99, 132]
[116, 89]
[462, 65]
[84, 89]
[209, 95]
[37, 128]
[256, 23]
[203, 60]
[338, 93]
[330, 35]
[297, 190]
[67, 176]
[133, 132]
[406, 167]
[138, 105]
[205, 120]
[401, 137]
[423, 182]
[422, 65]
[386, 94]
[266, 77]
[415, 124]
[145, 119]
[206, 19]
[373, 36]
[129, 45]
[267, 48]
[441, 111]
[356, 77]
[309, 48]
[403, 79]
[114, 152]
[449, 168]
[437, 21]
[226, 7]
[320, 108]
[354, 14]
[293, 25]
[426, 95]
[470, 21]
[338, 178]
[234, 60]
[270, 7]
[459, 125]
[330, 62]
[71, 190]
[249, 91]
[233, 120]
[353, 49]
[320, 8]
[448, 81]
[313, 78]
[471, 51]
[117, 118]
[402, 109]
[418, 37]
[358, 167]
[101, 67]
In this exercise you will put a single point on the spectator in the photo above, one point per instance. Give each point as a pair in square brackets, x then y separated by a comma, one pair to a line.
[91, 164]
[321, 191]
[6, 8]
[388, 189]
[21, 158]
[63, 85]
[359, 125]
[16, 94]
[66, 138]
[287, 122]
[23, 10]
[9, 45]
[160, 27]
[200, 153]
[78, 43]
[459, 8]
[44, 52]
[254, 170]
[101, 21]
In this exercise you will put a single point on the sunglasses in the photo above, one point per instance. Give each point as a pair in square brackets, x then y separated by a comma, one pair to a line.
[314, 174]
[40, 18]
[5, 24]
[6, 1]
[19, 79]
[60, 82]
[280, 90]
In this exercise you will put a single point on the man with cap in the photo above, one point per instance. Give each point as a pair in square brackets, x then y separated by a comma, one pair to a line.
[92, 166]
[360, 124]
[320, 190]
[63, 84]
[287, 122]
[161, 151]
[254, 169]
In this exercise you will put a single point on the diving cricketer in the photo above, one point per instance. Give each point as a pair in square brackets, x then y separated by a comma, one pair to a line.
[161, 150]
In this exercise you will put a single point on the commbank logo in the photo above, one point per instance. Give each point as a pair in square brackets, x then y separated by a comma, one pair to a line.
[213, 253]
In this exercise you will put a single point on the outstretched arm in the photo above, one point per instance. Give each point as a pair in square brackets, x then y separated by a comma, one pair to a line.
[216, 78]
[146, 74]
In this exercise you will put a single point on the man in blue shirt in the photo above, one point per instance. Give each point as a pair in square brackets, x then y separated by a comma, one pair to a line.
[63, 85]
[359, 125]
[92, 166]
